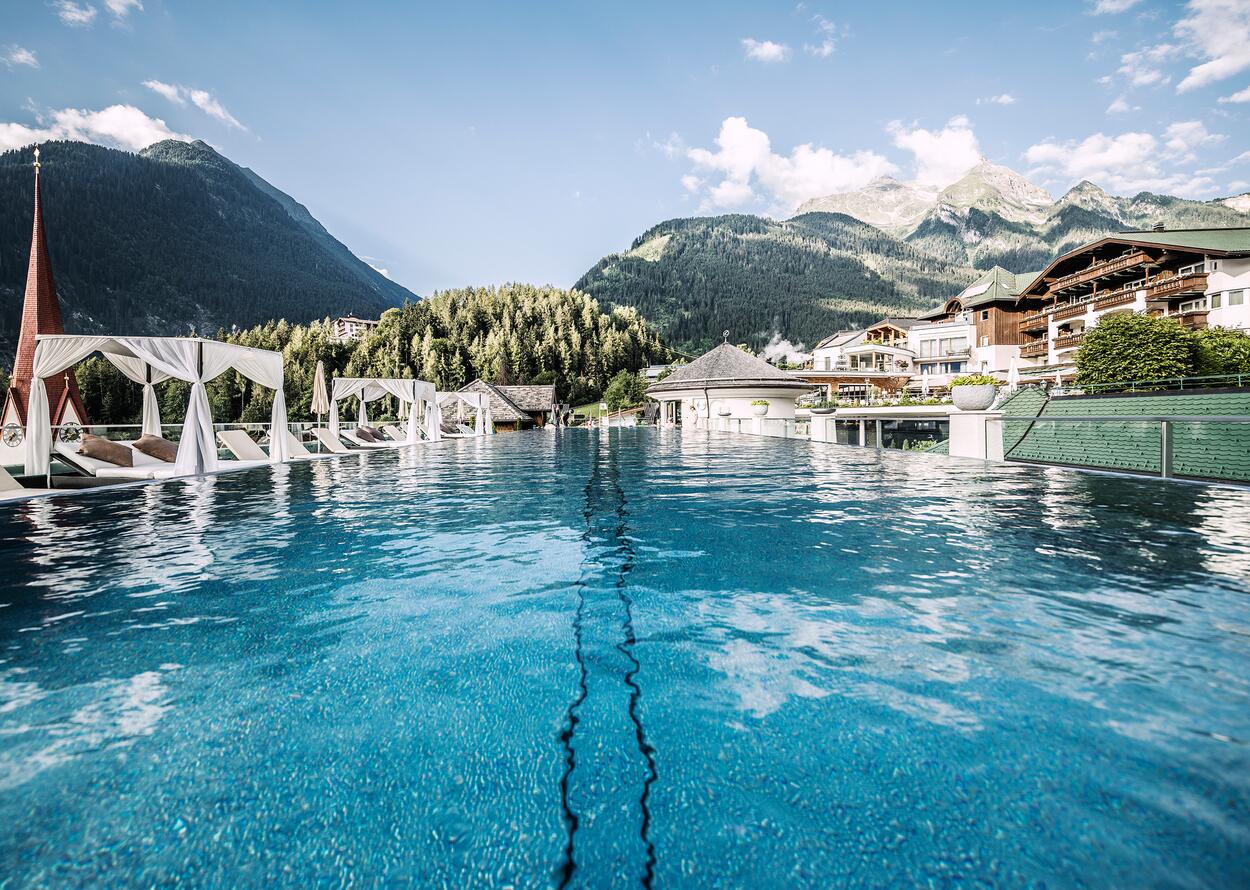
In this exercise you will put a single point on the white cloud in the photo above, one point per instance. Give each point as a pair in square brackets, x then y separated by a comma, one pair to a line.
[1130, 162]
[691, 183]
[1182, 138]
[1000, 99]
[19, 55]
[746, 162]
[1143, 67]
[76, 15]
[672, 146]
[1219, 32]
[1242, 96]
[827, 35]
[1103, 36]
[122, 8]
[118, 126]
[1111, 7]
[765, 50]
[201, 99]
[1120, 106]
[1238, 184]
[942, 156]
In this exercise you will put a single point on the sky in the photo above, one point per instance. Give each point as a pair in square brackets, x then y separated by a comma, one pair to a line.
[471, 143]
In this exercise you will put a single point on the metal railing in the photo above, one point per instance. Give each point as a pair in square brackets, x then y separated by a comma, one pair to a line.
[1210, 381]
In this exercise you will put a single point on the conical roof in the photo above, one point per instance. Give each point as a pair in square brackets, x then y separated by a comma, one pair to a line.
[726, 365]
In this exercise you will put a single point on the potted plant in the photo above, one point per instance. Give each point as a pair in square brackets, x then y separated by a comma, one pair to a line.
[759, 407]
[722, 410]
[823, 407]
[974, 392]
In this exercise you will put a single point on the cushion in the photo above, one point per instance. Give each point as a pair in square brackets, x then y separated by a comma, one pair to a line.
[363, 433]
[110, 452]
[155, 446]
[376, 433]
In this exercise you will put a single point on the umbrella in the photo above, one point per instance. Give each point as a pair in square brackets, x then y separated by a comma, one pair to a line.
[1013, 375]
[320, 398]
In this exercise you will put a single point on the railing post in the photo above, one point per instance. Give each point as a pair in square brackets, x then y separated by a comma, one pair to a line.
[1165, 449]
[877, 431]
[863, 433]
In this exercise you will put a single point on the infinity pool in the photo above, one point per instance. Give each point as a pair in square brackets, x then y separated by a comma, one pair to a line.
[628, 658]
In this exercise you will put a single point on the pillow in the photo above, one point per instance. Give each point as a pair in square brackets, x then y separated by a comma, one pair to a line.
[362, 433]
[375, 432]
[155, 446]
[110, 452]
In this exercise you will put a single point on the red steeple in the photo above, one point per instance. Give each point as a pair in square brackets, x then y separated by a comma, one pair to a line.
[41, 314]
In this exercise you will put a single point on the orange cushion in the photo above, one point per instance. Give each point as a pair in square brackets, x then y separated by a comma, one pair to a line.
[106, 450]
[155, 446]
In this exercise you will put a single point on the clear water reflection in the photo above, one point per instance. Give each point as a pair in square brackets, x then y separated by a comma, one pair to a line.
[628, 659]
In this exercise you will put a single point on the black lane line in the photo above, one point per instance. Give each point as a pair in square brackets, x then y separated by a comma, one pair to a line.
[625, 548]
[571, 719]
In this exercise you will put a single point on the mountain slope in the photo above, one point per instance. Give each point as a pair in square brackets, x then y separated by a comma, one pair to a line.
[804, 278]
[993, 216]
[175, 237]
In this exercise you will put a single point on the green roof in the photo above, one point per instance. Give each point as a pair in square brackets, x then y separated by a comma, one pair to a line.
[1200, 450]
[1221, 240]
[996, 285]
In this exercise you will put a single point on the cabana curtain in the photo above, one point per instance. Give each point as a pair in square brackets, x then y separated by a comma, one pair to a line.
[149, 360]
[368, 389]
[479, 401]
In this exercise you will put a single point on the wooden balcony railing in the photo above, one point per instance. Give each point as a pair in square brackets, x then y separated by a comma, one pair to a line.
[1115, 298]
[1190, 283]
[1069, 341]
[1035, 322]
[1071, 310]
[1034, 349]
[1099, 270]
[1195, 319]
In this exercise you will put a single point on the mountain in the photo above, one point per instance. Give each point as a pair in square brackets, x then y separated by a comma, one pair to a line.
[173, 238]
[993, 216]
[803, 278]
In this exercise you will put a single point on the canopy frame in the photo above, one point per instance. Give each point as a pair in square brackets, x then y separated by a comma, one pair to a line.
[483, 424]
[419, 394]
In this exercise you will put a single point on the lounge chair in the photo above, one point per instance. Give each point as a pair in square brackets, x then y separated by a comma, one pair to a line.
[350, 436]
[299, 451]
[331, 442]
[12, 490]
[143, 466]
[242, 446]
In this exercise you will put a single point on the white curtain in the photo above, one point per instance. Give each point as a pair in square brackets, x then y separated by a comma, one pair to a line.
[261, 366]
[141, 372]
[479, 401]
[367, 389]
[52, 356]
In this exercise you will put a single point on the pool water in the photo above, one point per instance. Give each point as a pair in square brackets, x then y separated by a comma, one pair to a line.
[628, 658]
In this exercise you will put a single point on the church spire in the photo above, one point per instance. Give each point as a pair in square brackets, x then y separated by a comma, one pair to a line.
[41, 314]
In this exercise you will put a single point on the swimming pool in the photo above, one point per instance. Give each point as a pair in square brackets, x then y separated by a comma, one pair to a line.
[625, 658]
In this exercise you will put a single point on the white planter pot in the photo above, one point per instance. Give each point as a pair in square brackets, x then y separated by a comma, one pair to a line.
[974, 398]
[759, 410]
[822, 411]
[723, 412]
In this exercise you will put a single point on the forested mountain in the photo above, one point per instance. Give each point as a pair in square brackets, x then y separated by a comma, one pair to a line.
[517, 333]
[803, 278]
[174, 237]
[992, 216]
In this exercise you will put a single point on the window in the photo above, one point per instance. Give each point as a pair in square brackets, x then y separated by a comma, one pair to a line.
[926, 348]
[1236, 297]
[985, 314]
[1215, 300]
[985, 340]
[828, 363]
[1194, 305]
[949, 345]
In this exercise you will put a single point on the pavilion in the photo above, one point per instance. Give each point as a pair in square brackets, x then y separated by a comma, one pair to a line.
[723, 383]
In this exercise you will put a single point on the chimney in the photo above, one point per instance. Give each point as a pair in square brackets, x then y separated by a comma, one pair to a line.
[1158, 227]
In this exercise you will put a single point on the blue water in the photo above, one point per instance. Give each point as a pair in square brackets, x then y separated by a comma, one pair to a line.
[628, 659]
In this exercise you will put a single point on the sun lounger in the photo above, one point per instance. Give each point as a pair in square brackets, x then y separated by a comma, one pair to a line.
[242, 446]
[299, 451]
[331, 442]
[350, 436]
[144, 466]
[12, 490]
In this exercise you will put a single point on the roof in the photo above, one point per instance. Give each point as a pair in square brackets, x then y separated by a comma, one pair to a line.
[726, 365]
[838, 339]
[531, 398]
[41, 314]
[897, 321]
[996, 285]
[512, 403]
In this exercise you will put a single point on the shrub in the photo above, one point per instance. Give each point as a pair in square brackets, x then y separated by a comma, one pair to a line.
[975, 380]
[763, 402]
[625, 390]
[1132, 347]
[1221, 351]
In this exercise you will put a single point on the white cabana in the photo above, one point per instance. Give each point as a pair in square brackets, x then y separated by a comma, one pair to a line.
[367, 389]
[150, 360]
[478, 401]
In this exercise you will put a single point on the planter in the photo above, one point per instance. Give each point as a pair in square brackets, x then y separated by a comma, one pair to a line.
[974, 398]
[759, 410]
[822, 410]
[722, 412]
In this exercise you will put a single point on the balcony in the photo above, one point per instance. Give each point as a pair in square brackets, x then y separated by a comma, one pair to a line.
[1194, 319]
[1035, 349]
[1068, 341]
[1186, 282]
[1116, 298]
[1035, 322]
[1100, 270]
[1071, 310]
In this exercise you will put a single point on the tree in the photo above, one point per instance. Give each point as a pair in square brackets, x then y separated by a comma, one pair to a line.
[1221, 351]
[1133, 347]
[625, 390]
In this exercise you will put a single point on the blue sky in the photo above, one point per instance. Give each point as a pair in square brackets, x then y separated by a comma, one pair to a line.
[475, 143]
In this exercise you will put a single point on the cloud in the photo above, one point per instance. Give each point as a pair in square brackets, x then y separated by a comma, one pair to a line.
[19, 55]
[671, 147]
[942, 156]
[1143, 67]
[1103, 36]
[827, 34]
[1182, 138]
[1000, 99]
[1218, 31]
[122, 8]
[1112, 7]
[751, 172]
[1242, 96]
[201, 99]
[1130, 162]
[76, 15]
[1120, 106]
[777, 349]
[118, 126]
[765, 50]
